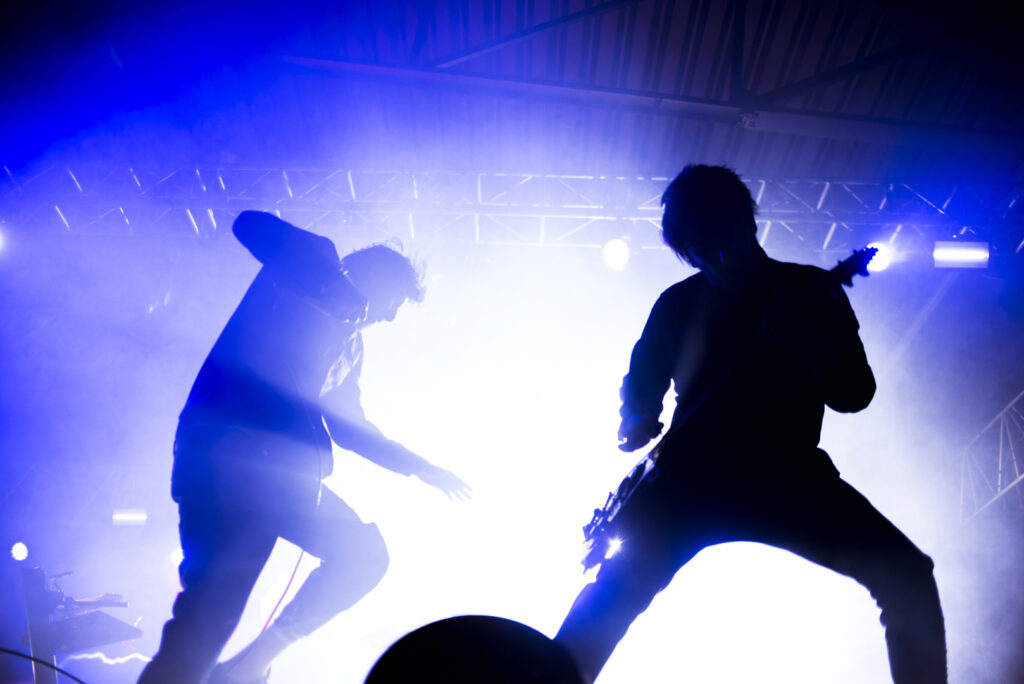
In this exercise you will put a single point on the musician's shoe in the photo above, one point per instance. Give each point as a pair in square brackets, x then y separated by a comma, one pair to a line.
[220, 676]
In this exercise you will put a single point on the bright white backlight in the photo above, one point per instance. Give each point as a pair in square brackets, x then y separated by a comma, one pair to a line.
[614, 545]
[19, 552]
[961, 254]
[882, 259]
[616, 254]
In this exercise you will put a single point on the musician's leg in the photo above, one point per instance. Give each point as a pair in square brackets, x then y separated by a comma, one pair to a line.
[223, 556]
[625, 586]
[353, 560]
[827, 521]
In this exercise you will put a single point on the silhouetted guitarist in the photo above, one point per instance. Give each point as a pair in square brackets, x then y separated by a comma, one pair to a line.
[741, 461]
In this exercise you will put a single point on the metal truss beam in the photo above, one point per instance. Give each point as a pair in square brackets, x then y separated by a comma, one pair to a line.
[535, 209]
[992, 465]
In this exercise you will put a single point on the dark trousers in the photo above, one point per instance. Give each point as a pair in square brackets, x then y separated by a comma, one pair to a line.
[815, 515]
[224, 552]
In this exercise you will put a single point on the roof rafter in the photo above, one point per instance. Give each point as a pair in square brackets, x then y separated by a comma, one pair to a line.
[814, 125]
[843, 72]
[517, 36]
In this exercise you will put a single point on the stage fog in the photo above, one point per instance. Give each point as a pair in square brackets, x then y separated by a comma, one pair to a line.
[507, 374]
[503, 150]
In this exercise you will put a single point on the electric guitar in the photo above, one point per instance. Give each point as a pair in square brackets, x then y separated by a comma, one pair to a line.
[601, 534]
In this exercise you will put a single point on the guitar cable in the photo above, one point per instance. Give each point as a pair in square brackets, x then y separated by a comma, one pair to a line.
[33, 659]
[319, 479]
[302, 552]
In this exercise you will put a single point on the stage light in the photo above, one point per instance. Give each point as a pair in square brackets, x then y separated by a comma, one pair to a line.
[616, 254]
[614, 546]
[130, 516]
[961, 254]
[19, 552]
[882, 259]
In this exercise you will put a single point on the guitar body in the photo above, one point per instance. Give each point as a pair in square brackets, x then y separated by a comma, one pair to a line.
[602, 534]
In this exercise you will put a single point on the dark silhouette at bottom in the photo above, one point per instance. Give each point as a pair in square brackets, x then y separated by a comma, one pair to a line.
[475, 648]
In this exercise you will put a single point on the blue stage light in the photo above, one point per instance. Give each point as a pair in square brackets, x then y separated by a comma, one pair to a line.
[19, 551]
[614, 546]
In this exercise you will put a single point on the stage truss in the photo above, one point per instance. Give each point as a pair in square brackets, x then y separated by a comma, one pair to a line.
[809, 219]
[796, 216]
[992, 465]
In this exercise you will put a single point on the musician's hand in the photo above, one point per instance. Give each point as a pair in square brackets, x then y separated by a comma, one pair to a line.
[452, 486]
[637, 430]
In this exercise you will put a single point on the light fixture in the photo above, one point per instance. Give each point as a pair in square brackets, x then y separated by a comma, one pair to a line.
[129, 516]
[958, 254]
[883, 257]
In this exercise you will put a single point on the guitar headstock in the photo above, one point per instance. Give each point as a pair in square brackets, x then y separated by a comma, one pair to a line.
[855, 264]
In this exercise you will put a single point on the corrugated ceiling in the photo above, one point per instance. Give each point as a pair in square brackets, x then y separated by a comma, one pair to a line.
[866, 90]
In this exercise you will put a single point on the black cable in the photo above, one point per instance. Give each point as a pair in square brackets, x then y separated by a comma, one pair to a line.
[41, 662]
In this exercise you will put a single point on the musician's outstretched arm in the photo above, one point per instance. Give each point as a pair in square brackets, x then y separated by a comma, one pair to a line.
[303, 261]
[271, 239]
[350, 429]
[644, 386]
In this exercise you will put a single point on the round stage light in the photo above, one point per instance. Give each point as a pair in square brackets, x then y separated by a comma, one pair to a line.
[616, 254]
[19, 552]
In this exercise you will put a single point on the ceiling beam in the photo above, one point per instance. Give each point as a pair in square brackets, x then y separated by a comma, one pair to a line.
[790, 122]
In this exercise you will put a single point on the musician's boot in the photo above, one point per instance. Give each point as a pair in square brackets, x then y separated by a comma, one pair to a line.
[251, 665]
